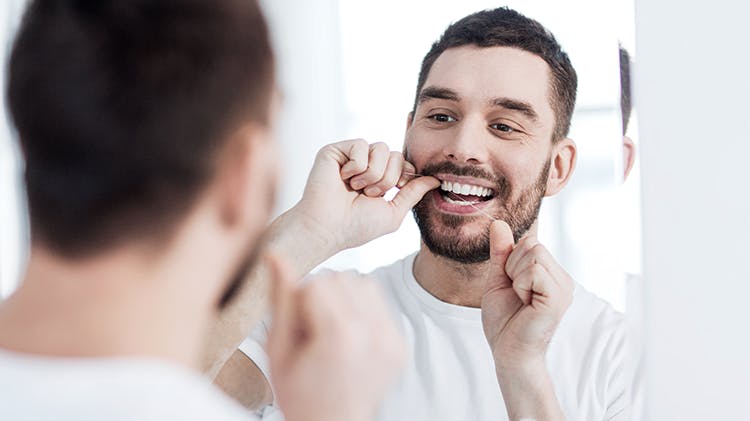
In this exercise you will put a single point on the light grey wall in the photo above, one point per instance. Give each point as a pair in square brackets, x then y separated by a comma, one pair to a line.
[692, 89]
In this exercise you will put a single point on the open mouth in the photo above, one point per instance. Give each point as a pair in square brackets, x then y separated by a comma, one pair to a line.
[462, 194]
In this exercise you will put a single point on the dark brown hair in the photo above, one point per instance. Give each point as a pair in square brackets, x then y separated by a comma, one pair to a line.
[626, 106]
[121, 107]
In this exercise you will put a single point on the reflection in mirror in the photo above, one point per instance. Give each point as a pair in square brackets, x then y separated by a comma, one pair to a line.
[366, 84]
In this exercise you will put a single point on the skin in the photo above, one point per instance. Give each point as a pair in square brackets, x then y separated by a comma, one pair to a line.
[522, 290]
[628, 156]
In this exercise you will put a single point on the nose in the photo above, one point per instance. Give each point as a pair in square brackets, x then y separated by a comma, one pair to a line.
[467, 146]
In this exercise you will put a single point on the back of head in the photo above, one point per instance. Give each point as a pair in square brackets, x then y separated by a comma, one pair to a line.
[504, 27]
[626, 106]
[121, 107]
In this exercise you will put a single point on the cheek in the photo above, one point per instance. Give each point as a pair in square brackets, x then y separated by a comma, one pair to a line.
[421, 150]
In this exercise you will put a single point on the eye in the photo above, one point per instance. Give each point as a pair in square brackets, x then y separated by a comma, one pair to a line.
[502, 128]
[442, 118]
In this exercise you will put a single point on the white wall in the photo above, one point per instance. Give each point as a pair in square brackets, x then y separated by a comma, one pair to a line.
[693, 92]
[13, 230]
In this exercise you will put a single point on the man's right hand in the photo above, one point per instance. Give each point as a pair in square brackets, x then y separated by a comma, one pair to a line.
[333, 346]
[343, 196]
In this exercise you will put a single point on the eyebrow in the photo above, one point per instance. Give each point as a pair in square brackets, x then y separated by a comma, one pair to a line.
[515, 105]
[434, 92]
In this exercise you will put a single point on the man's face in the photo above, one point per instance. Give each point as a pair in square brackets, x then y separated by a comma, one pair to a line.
[483, 125]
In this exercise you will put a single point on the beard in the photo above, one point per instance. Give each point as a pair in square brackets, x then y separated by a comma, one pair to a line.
[442, 233]
[247, 264]
[249, 260]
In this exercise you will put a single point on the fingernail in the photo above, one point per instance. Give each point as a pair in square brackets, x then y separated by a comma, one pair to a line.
[356, 185]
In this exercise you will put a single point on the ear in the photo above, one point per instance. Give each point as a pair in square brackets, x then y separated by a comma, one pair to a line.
[562, 164]
[628, 156]
[247, 168]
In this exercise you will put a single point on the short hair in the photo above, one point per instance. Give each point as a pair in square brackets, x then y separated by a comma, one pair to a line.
[504, 27]
[121, 108]
[626, 106]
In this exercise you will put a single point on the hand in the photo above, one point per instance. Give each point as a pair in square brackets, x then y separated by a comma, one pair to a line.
[527, 294]
[333, 347]
[343, 195]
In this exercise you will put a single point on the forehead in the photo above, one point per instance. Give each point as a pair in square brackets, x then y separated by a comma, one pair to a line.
[480, 74]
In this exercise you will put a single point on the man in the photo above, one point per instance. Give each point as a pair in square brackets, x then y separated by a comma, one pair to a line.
[150, 170]
[626, 107]
[489, 128]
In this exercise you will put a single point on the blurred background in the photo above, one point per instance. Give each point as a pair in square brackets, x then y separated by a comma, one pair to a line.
[348, 69]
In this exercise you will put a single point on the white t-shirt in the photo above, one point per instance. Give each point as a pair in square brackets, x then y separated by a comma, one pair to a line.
[111, 389]
[450, 374]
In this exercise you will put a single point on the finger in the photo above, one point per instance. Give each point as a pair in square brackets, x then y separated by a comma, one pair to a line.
[538, 254]
[390, 176]
[321, 307]
[520, 251]
[376, 164]
[408, 172]
[501, 246]
[535, 285]
[356, 153]
[280, 337]
[412, 193]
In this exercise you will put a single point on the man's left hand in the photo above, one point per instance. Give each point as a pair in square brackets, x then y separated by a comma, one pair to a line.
[526, 296]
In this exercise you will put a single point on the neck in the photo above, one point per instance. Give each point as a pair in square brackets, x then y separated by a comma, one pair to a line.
[450, 281]
[122, 304]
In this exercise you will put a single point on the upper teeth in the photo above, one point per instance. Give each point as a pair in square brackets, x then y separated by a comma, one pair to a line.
[465, 189]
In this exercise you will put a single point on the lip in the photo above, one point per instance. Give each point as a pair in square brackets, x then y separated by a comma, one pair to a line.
[447, 207]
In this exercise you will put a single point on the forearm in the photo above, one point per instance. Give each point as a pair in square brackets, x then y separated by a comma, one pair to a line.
[303, 246]
[529, 393]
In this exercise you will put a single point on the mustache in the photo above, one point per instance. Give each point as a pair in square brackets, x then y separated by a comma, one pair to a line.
[448, 167]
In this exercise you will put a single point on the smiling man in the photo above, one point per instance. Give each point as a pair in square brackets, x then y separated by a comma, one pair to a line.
[496, 328]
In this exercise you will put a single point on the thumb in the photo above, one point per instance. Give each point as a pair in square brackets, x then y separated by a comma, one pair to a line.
[281, 335]
[501, 245]
[413, 192]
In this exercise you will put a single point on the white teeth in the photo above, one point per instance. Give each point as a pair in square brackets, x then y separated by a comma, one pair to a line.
[465, 189]
[458, 202]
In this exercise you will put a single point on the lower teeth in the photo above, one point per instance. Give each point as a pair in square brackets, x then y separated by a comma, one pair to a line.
[458, 202]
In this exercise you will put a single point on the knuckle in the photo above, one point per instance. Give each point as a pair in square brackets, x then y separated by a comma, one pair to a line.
[538, 248]
[379, 147]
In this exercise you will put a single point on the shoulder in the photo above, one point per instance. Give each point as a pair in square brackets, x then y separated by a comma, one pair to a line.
[111, 388]
[395, 271]
[588, 311]
[592, 328]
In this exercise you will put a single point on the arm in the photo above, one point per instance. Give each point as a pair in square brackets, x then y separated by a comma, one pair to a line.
[342, 207]
[526, 295]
